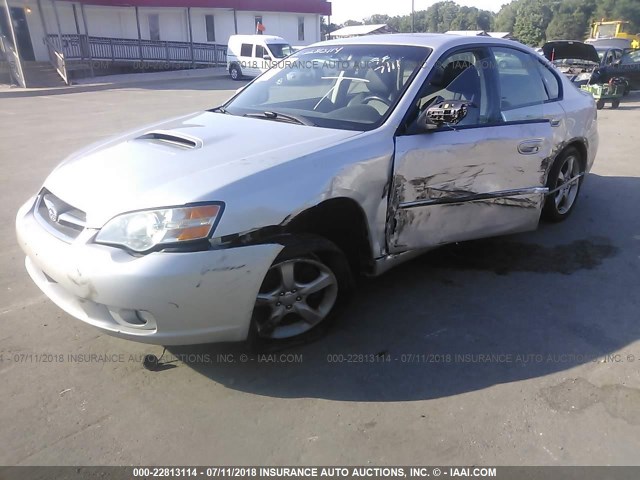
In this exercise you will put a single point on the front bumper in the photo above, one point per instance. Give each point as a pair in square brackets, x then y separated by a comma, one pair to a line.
[161, 298]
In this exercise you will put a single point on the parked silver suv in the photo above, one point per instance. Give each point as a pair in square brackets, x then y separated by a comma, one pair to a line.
[251, 220]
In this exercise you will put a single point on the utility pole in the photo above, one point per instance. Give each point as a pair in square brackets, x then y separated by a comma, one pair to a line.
[413, 16]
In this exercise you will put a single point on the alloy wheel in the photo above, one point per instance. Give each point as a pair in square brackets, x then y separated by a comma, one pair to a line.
[295, 296]
[567, 185]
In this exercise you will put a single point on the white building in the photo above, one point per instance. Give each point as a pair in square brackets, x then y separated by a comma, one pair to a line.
[196, 30]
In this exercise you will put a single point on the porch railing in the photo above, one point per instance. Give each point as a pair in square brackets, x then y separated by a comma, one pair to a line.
[90, 48]
[13, 60]
[56, 58]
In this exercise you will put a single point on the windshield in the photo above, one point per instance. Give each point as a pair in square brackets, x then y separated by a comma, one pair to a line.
[632, 56]
[607, 30]
[280, 50]
[351, 87]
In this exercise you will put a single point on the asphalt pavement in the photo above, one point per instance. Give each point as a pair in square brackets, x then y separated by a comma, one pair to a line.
[521, 350]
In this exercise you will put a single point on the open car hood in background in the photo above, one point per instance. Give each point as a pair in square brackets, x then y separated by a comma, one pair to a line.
[569, 49]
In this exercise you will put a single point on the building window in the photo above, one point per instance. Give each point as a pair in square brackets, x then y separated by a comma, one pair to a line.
[211, 28]
[154, 27]
[259, 25]
[301, 29]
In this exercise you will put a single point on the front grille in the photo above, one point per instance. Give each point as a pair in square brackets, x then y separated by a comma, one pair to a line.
[60, 218]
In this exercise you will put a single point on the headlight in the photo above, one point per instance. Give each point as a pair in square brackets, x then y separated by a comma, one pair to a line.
[141, 231]
[583, 76]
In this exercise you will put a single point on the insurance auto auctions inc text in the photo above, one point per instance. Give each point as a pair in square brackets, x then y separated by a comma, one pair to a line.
[377, 472]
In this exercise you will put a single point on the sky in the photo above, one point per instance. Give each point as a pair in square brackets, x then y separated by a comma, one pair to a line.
[344, 10]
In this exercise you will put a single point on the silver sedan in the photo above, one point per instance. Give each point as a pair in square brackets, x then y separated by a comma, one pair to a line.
[254, 219]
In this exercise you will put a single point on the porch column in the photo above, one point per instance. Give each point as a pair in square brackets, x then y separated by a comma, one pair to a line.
[20, 72]
[55, 11]
[190, 37]
[86, 32]
[139, 35]
[75, 18]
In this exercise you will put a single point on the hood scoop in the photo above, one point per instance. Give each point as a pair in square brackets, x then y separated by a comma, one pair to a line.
[172, 139]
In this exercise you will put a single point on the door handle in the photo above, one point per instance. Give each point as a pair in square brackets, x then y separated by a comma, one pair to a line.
[555, 122]
[529, 147]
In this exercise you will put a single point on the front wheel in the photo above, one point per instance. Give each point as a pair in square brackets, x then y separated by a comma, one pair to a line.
[615, 103]
[600, 104]
[300, 294]
[235, 72]
[564, 182]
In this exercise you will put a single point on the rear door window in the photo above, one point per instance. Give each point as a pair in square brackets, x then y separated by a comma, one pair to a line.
[246, 49]
[519, 81]
[551, 82]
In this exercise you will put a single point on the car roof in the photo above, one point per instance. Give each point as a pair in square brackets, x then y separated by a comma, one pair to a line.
[433, 40]
[265, 38]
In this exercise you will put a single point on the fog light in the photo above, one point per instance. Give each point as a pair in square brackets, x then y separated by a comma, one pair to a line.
[145, 317]
[139, 319]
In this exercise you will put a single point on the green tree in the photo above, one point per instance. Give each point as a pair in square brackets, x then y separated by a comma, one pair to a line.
[377, 19]
[506, 17]
[570, 20]
[485, 21]
[619, 10]
[532, 19]
[326, 29]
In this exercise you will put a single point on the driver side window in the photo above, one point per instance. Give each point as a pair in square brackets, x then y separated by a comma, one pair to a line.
[461, 76]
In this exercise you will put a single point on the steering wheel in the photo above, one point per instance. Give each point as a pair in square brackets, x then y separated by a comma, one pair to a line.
[376, 97]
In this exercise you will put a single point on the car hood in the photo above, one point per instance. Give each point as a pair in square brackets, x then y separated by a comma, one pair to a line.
[178, 162]
[569, 49]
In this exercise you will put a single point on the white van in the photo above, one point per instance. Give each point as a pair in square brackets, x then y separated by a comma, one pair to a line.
[251, 55]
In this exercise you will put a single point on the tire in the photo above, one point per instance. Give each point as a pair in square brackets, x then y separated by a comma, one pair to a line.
[235, 72]
[600, 104]
[615, 103]
[277, 321]
[559, 205]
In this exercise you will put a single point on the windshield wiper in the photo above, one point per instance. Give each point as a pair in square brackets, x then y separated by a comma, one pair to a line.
[281, 117]
[221, 110]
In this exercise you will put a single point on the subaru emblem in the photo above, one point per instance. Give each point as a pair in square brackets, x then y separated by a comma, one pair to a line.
[53, 214]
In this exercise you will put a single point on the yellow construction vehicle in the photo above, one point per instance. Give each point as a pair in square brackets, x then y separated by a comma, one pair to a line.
[614, 29]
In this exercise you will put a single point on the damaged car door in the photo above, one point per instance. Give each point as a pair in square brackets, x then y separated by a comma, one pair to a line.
[464, 167]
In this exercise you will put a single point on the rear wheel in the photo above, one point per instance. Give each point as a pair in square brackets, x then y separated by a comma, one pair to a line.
[600, 104]
[615, 103]
[300, 294]
[564, 183]
[235, 72]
